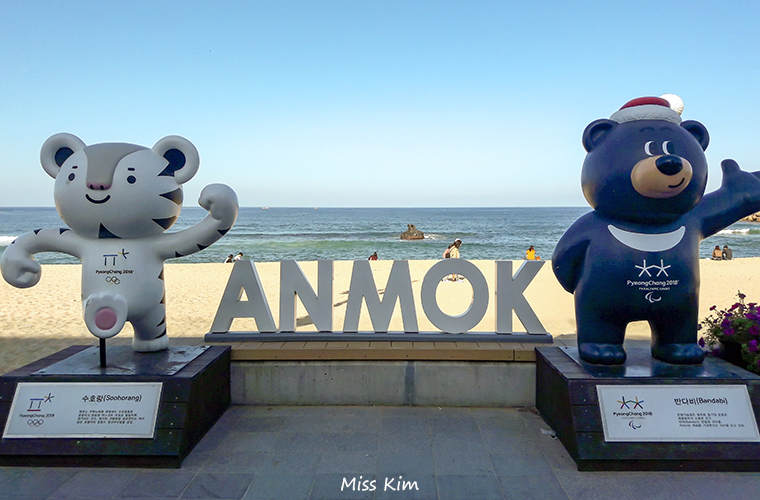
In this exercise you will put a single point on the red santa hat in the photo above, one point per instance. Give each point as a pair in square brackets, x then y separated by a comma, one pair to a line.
[667, 107]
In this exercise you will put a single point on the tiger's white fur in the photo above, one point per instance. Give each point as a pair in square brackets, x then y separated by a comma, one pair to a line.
[117, 200]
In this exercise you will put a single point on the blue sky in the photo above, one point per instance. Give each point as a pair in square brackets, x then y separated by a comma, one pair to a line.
[351, 103]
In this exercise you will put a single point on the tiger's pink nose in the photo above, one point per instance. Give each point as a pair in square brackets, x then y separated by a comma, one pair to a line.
[98, 187]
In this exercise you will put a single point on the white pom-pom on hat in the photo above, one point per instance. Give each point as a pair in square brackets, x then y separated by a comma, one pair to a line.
[676, 103]
[648, 108]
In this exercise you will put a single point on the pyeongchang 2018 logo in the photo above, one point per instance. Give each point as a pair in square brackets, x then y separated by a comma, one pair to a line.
[635, 402]
[635, 411]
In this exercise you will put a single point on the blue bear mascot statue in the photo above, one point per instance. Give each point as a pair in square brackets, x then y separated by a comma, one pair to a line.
[117, 200]
[635, 257]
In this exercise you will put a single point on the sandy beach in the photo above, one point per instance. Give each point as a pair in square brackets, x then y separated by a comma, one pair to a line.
[41, 320]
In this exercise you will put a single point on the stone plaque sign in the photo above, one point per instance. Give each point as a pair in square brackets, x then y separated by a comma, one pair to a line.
[83, 410]
[683, 413]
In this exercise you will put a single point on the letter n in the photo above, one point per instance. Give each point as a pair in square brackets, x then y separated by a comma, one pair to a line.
[509, 296]
[243, 278]
[399, 288]
[319, 306]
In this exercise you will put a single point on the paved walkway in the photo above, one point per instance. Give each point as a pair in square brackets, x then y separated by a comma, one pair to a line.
[294, 453]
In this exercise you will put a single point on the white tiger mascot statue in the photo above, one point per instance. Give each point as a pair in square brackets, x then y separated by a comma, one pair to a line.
[117, 200]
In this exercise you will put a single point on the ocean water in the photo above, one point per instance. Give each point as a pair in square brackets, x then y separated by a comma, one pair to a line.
[303, 234]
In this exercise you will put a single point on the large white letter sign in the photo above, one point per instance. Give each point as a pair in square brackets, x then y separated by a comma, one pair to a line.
[472, 316]
[319, 306]
[243, 278]
[399, 288]
[381, 305]
[509, 296]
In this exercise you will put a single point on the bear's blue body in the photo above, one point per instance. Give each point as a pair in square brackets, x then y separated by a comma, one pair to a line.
[636, 256]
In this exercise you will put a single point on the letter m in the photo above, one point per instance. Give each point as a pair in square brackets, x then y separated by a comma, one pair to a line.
[398, 289]
[348, 484]
[409, 485]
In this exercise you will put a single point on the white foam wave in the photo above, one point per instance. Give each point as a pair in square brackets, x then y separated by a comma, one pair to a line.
[734, 231]
[6, 240]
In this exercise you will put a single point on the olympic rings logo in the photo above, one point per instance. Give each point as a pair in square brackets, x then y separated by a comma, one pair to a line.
[113, 280]
[35, 422]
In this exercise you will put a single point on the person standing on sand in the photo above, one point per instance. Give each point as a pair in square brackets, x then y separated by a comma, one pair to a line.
[452, 252]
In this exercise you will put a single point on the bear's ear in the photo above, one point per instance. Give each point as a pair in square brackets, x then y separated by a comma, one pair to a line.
[698, 131]
[57, 150]
[595, 133]
[182, 156]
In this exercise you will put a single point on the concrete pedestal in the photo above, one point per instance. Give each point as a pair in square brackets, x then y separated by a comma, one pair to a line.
[195, 393]
[566, 397]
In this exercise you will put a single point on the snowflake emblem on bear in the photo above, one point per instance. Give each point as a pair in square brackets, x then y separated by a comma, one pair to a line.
[118, 200]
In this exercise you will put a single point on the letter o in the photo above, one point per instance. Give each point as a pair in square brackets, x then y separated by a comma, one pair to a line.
[472, 316]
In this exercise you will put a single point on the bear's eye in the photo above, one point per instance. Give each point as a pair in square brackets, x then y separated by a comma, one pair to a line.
[648, 148]
[71, 176]
[668, 148]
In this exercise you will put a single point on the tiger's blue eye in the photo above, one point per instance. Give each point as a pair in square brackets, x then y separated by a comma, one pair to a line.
[131, 179]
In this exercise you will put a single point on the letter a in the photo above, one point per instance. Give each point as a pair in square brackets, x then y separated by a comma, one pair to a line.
[243, 278]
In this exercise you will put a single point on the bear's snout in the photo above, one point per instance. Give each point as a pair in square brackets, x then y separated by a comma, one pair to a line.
[663, 176]
[669, 164]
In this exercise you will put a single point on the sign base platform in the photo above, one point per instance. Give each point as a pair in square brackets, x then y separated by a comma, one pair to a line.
[194, 384]
[568, 398]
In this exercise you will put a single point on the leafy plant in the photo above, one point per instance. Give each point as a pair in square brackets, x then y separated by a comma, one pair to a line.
[739, 324]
